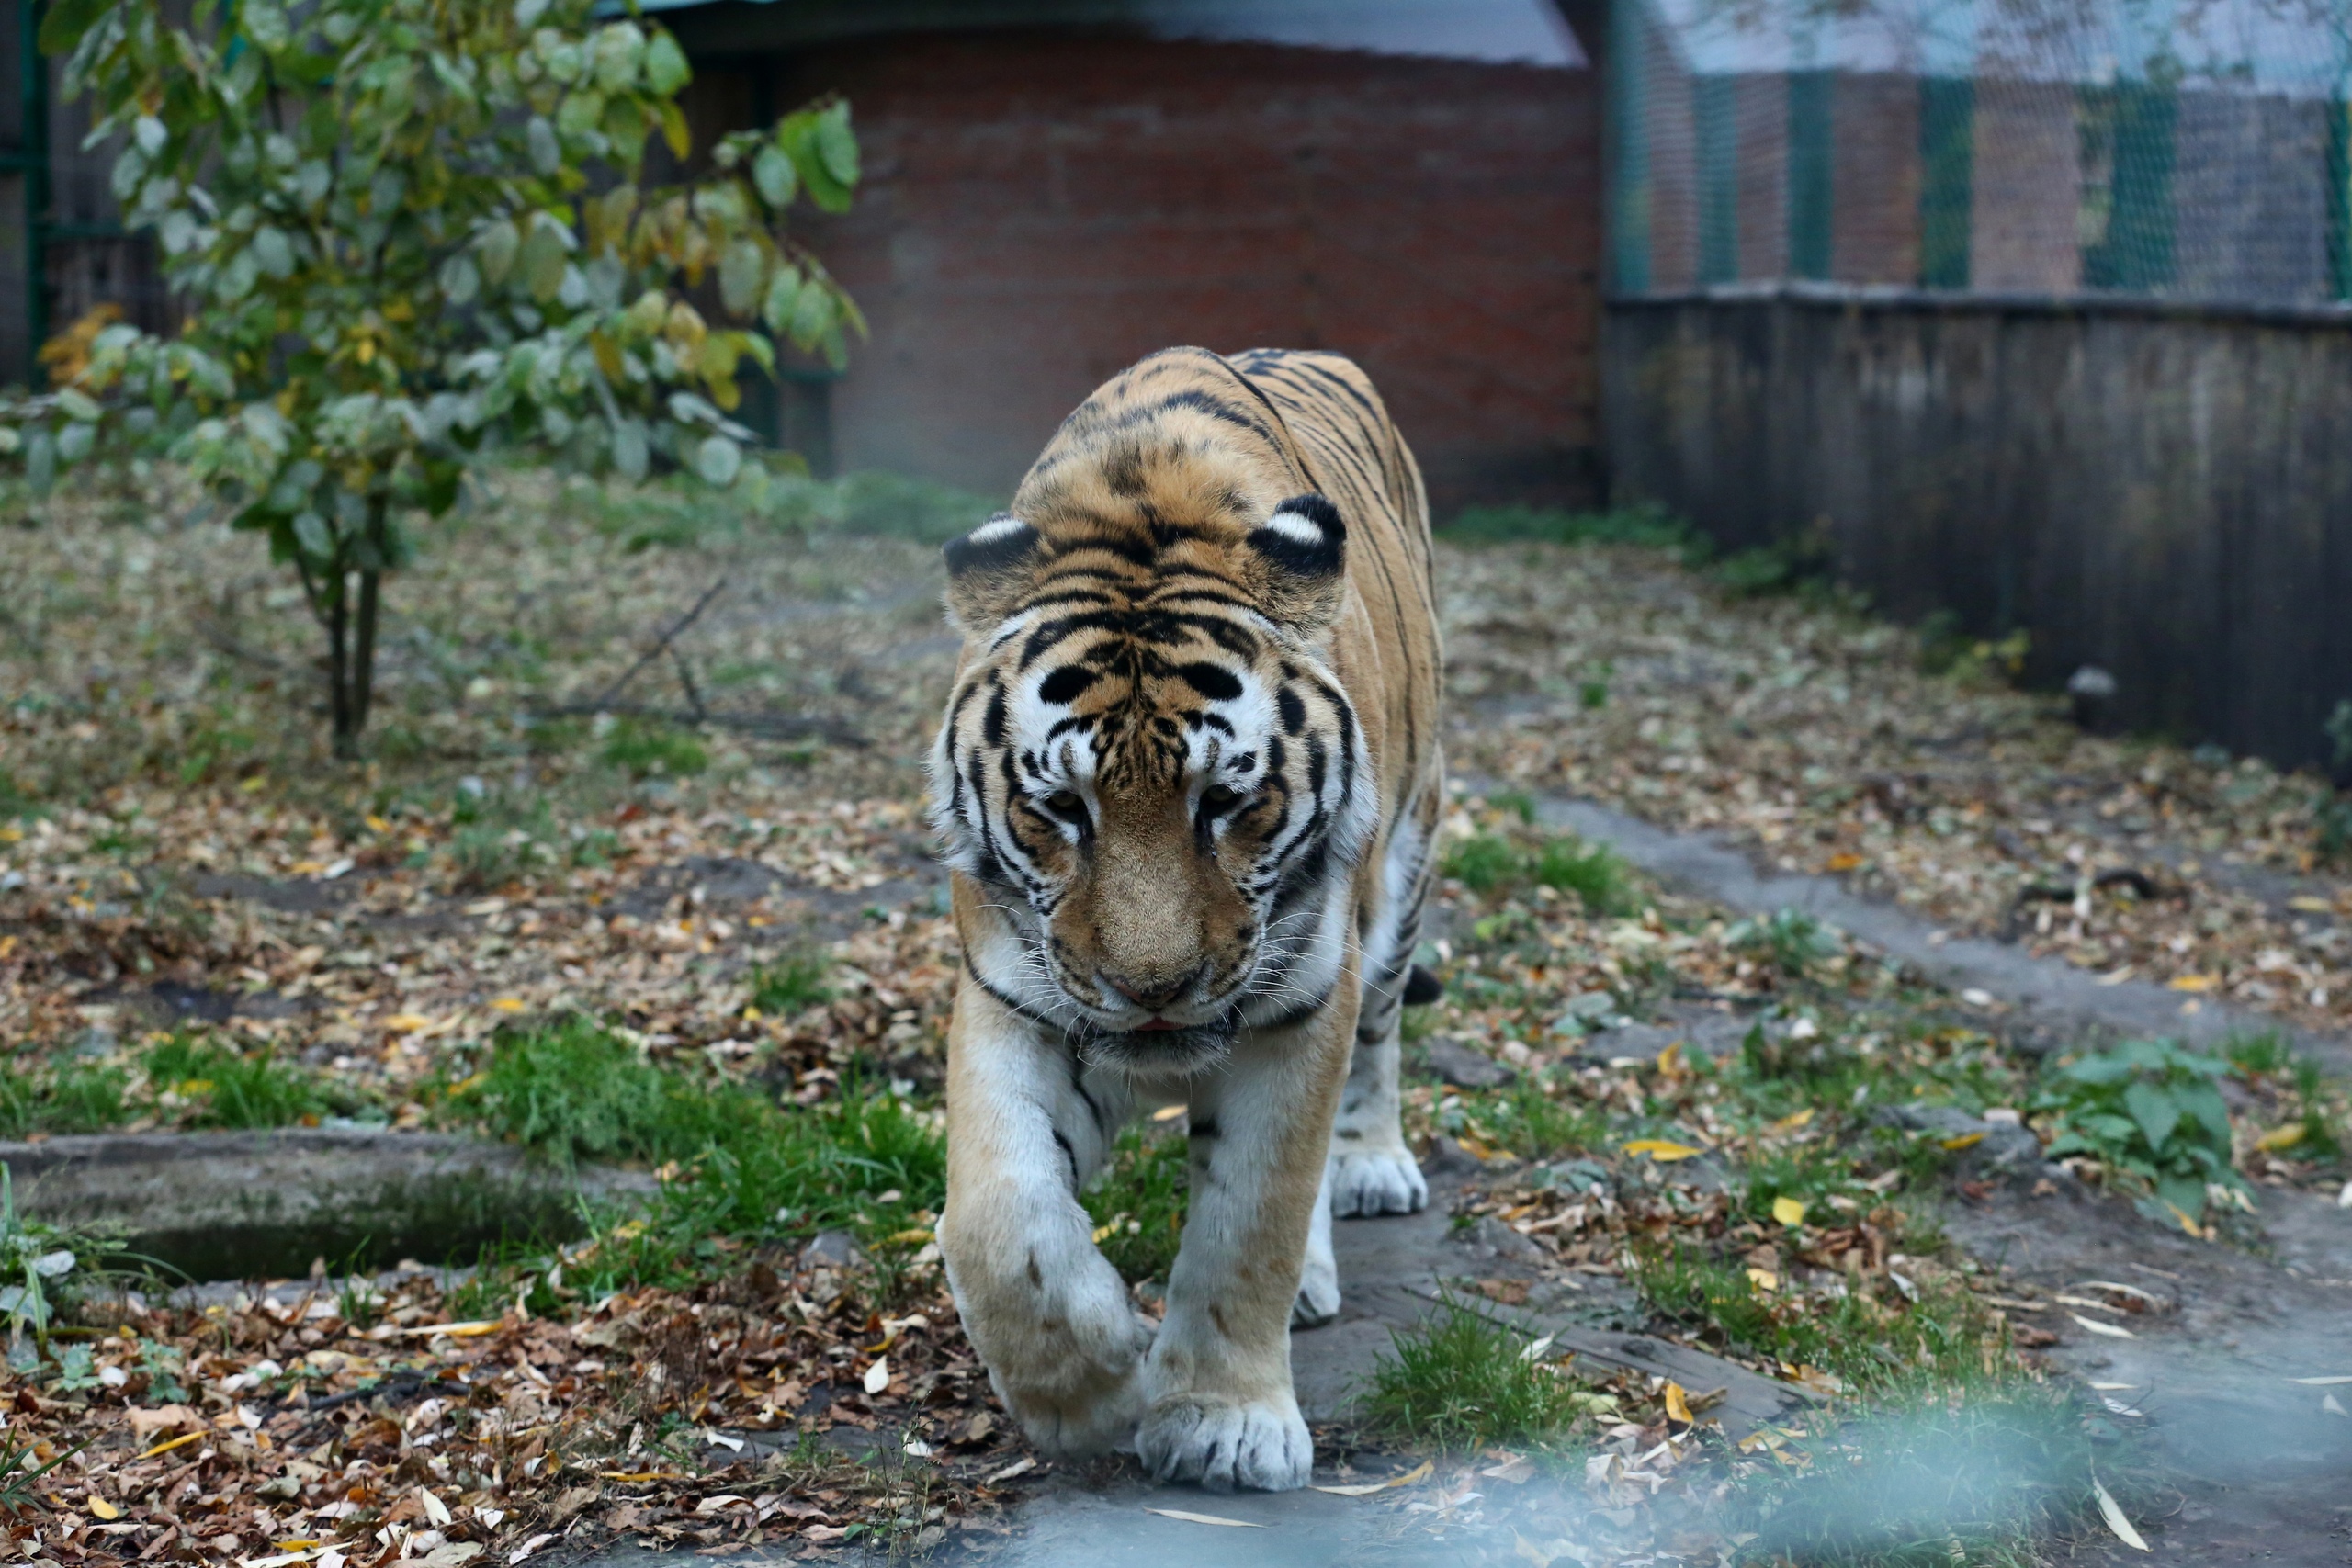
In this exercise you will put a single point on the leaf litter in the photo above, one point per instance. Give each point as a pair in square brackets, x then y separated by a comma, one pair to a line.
[183, 853]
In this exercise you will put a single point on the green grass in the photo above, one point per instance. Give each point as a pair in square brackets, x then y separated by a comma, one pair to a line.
[1459, 1382]
[1988, 1477]
[1892, 1348]
[1595, 874]
[794, 983]
[648, 749]
[576, 1091]
[746, 1170]
[1490, 863]
[231, 1089]
[1140, 1197]
[1792, 941]
[1530, 1118]
[80, 1097]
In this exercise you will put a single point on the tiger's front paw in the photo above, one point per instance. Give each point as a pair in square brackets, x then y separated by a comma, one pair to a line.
[1369, 1182]
[1224, 1444]
[1079, 1424]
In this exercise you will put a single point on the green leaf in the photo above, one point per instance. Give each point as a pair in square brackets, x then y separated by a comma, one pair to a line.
[580, 113]
[665, 65]
[837, 144]
[499, 244]
[2153, 1109]
[812, 312]
[539, 138]
[149, 132]
[73, 443]
[783, 291]
[620, 48]
[2204, 1102]
[543, 260]
[742, 270]
[773, 173]
[67, 21]
[41, 461]
[629, 455]
[311, 533]
[528, 11]
[460, 279]
[717, 461]
[2185, 1194]
[274, 253]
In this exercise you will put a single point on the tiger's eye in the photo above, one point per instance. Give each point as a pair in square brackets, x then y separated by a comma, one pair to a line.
[1216, 800]
[1066, 805]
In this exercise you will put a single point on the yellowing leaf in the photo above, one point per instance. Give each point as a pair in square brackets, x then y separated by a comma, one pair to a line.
[507, 1004]
[2112, 1330]
[1763, 1279]
[1168, 1113]
[1419, 1473]
[103, 1508]
[1678, 1406]
[1669, 1061]
[2113, 1514]
[1844, 862]
[1961, 1141]
[1790, 1211]
[2192, 982]
[1790, 1124]
[1662, 1150]
[1191, 1519]
[407, 1022]
[913, 1238]
[2279, 1138]
[2311, 906]
[164, 1448]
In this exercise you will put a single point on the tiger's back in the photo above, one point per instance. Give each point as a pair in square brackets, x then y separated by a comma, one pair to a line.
[1189, 779]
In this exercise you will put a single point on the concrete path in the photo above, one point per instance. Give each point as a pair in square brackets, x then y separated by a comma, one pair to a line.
[2047, 992]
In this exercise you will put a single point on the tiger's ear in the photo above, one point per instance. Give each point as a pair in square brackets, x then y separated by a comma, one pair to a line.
[985, 570]
[1303, 546]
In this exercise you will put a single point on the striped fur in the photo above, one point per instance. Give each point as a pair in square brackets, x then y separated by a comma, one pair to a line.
[1187, 780]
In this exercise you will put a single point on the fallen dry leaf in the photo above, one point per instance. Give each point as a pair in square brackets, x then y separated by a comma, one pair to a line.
[1191, 1519]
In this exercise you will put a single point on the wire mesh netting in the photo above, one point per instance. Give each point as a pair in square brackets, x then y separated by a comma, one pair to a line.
[2192, 149]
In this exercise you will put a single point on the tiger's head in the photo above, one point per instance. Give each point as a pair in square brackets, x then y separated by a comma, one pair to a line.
[1149, 770]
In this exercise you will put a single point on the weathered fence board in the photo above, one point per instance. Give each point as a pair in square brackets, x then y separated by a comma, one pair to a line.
[2161, 492]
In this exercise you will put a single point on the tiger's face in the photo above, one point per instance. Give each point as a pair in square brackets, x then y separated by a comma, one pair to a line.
[1153, 779]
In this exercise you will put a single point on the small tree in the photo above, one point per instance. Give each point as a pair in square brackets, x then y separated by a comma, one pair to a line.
[409, 233]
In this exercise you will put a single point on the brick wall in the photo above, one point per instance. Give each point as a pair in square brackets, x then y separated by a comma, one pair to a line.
[1042, 208]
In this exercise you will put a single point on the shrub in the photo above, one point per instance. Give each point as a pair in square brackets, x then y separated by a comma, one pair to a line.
[2149, 1111]
[1651, 528]
[1794, 941]
[232, 1090]
[648, 747]
[792, 984]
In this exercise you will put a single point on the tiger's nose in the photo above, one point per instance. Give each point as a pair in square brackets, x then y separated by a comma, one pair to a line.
[1146, 995]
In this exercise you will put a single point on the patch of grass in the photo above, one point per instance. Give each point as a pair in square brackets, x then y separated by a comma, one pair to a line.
[1490, 862]
[745, 1170]
[1898, 1346]
[576, 1091]
[81, 1097]
[1529, 1118]
[1595, 874]
[228, 1089]
[1483, 861]
[1980, 1478]
[1650, 526]
[1137, 1203]
[2149, 1111]
[498, 836]
[648, 747]
[1458, 1381]
[794, 983]
[1806, 1173]
[1795, 943]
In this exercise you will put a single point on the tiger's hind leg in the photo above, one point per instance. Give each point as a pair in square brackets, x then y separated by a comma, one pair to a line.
[1371, 1170]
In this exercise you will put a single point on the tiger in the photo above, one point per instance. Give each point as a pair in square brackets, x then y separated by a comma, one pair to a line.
[1187, 784]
